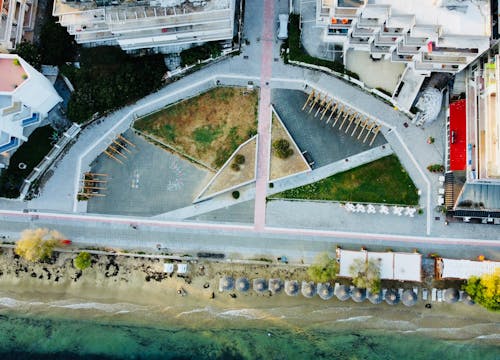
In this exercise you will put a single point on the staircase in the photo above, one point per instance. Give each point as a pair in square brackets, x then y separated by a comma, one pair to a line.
[449, 190]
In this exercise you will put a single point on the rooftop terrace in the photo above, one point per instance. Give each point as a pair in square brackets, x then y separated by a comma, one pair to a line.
[175, 7]
[13, 74]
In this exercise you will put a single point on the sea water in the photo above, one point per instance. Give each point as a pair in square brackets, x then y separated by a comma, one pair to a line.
[93, 331]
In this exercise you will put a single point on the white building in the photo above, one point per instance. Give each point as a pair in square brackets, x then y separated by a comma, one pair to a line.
[427, 35]
[393, 265]
[463, 269]
[26, 97]
[146, 24]
[17, 17]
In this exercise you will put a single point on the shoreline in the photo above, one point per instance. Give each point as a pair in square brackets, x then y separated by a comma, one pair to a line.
[134, 291]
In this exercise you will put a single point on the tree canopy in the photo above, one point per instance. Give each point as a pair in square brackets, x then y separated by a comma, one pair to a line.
[29, 53]
[83, 260]
[109, 79]
[366, 274]
[37, 244]
[324, 269]
[485, 290]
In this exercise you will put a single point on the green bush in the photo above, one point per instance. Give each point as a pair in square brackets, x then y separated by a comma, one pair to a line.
[298, 53]
[282, 148]
[236, 194]
[109, 79]
[366, 274]
[324, 269]
[235, 167]
[82, 261]
[192, 55]
[239, 159]
[435, 168]
[485, 290]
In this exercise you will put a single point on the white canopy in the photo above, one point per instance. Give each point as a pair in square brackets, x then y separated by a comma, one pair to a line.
[393, 266]
[464, 269]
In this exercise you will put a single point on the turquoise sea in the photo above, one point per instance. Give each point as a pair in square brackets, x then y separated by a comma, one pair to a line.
[50, 337]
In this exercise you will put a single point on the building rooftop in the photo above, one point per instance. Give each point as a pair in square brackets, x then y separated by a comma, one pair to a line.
[175, 7]
[12, 75]
[455, 17]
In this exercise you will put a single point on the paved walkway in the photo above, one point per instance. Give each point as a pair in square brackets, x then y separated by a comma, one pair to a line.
[264, 124]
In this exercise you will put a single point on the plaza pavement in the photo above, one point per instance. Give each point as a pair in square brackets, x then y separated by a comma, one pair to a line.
[408, 142]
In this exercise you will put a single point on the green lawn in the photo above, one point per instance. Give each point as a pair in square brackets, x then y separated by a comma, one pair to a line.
[381, 181]
[31, 153]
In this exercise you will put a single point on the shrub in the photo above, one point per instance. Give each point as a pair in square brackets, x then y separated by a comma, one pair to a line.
[37, 244]
[282, 148]
[192, 55]
[235, 167]
[324, 268]
[485, 290]
[82, 261]
[236, 194]
[239, 159]
[435, 168]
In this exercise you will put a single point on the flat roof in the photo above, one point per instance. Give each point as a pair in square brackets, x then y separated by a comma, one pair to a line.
[458, 135]
[175, 7]
[12, 74]
[464, 269]
[393, 266]
[466, 17]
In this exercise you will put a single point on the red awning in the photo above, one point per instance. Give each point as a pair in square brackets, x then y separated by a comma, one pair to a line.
[457, 135]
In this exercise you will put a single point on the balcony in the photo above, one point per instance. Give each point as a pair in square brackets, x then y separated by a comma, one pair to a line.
[345, 12]
[380, 49]
[391, 31]
[368, 22]
[337, 32]
[359, 40]
[407, 50]
[401, 58]
[12, 144]
[35, 118]
[359, 32]
[432, 58]
[384, 41]
[415, 41]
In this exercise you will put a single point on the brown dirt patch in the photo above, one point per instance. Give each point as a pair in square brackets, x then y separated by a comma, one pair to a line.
[284, 167]
[208, 127]
[228, 177]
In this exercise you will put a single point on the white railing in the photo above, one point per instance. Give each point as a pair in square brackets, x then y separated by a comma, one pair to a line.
[49, 159]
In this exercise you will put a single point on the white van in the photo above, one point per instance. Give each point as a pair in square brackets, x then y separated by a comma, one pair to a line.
[283, 26]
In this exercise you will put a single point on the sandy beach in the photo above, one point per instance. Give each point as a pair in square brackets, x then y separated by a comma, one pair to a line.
[133, 289]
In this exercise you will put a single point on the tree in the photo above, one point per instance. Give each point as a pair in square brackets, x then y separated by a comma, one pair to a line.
[29, 53]
[82, 261]
[282, 148]
[485, 290]
[38, 244]
[324, 268]
[56, 45]
[366, 274]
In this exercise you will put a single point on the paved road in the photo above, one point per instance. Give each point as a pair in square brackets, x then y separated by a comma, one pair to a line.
[300, 245]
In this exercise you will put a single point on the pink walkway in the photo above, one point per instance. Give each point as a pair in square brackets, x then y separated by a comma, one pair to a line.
[264, 117]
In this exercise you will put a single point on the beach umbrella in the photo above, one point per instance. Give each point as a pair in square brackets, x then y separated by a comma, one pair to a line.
[467, 299]
[451, 295]
[292, 287]
[325, 291]
[391, 297]
[226, 283]
[375, 298]
[242, 284]
[275, 285]
[260, 285]
[409, 297]
[308, 289]
[358, 294]
[343, 293]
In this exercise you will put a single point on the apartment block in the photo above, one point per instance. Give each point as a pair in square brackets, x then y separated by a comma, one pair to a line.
[473, 161]
[26, 97]
[428, 35]
[17, 17]
[134, 25]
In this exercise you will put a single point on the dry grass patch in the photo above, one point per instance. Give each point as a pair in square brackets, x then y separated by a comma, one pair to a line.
[208, 127]
[230, 177]
[291, 165]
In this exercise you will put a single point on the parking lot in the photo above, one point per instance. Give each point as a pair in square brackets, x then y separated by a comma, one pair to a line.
[324, 143]
[148, 181]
